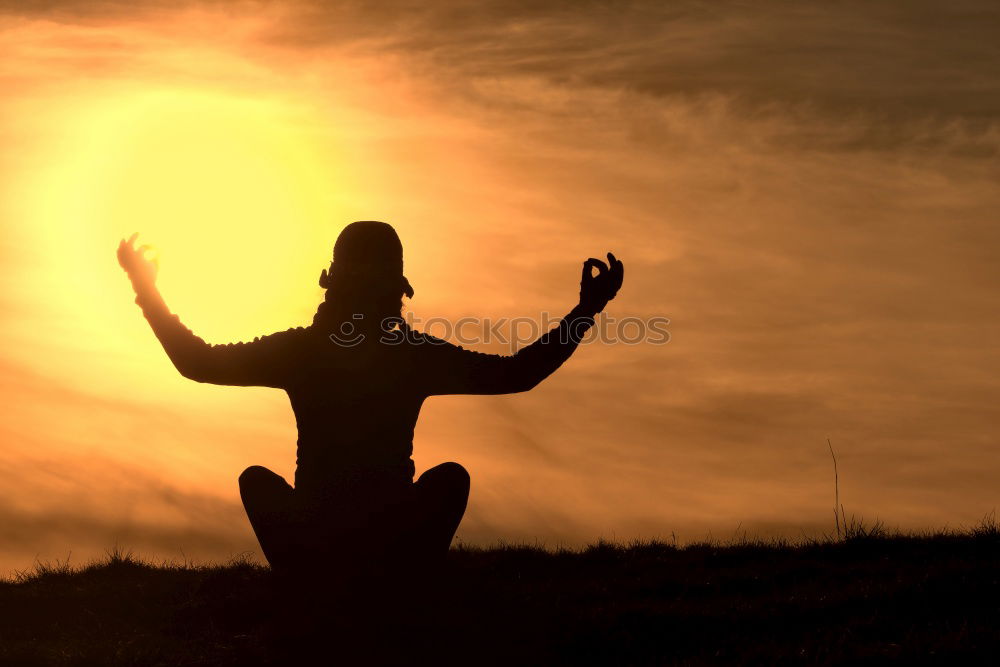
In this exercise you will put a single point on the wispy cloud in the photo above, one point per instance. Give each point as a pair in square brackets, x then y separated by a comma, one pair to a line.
[809, 193]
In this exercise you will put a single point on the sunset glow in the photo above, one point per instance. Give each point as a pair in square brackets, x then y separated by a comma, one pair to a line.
[822, 245]
[221, 185]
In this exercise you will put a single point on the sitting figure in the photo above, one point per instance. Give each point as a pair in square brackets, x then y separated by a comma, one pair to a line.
[356, 378]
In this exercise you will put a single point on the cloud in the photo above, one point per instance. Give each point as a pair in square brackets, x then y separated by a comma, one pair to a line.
[51, 508]
[807, 192]
[903, 58]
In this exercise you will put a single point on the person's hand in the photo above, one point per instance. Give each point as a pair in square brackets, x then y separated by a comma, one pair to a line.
[596, 291]
[141, 271]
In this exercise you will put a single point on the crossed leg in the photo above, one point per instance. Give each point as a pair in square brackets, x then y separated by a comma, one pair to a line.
[441, 495]
[268, 500]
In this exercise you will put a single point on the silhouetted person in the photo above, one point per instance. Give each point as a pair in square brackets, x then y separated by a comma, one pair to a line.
[356, 378]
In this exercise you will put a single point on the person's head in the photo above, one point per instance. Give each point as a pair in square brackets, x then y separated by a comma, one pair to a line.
[366, 275]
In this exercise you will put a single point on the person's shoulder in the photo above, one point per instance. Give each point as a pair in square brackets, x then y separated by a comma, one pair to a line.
[415, 337]
[288, 336]
[420, 343]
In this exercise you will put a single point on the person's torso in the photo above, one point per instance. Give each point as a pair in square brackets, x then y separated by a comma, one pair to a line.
[355, 408]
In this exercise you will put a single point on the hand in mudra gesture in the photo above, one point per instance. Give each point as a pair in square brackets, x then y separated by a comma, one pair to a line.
[140, 269]
[596, 291]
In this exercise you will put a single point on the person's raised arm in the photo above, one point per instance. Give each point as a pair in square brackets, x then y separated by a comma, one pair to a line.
[263, 362]
[454, 370]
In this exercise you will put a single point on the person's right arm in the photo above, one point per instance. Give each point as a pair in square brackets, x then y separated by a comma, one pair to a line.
[263, 362]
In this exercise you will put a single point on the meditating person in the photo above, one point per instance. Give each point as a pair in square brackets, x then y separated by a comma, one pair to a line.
[356, 378]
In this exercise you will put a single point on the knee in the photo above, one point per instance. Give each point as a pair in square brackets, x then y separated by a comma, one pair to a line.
[455, 475]
[253, 475]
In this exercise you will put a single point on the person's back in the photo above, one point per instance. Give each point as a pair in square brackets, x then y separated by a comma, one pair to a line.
[356, 378]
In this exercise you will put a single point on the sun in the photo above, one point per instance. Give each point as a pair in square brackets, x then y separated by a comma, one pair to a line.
[237, 194]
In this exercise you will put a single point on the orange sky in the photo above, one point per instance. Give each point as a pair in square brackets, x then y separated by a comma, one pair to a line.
[810, 195]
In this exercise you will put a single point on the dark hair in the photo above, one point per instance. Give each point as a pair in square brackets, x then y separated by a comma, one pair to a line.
[378, 303]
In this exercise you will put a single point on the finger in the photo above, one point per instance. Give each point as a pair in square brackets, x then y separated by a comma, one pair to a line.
[613, 263]
[613, 280]
[593, 262]
[617, 268]
[124, 250]
[588, 270]
[132, 238]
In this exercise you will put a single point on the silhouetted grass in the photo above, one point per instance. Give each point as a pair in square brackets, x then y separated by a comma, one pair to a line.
[876, 596]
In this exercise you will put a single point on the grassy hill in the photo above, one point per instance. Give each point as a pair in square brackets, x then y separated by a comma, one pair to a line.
[871, 598]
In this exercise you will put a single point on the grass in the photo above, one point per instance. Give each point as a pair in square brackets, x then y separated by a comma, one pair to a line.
[874, 597]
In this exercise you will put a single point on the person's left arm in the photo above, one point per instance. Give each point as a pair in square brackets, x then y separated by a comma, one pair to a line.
[455, 370]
